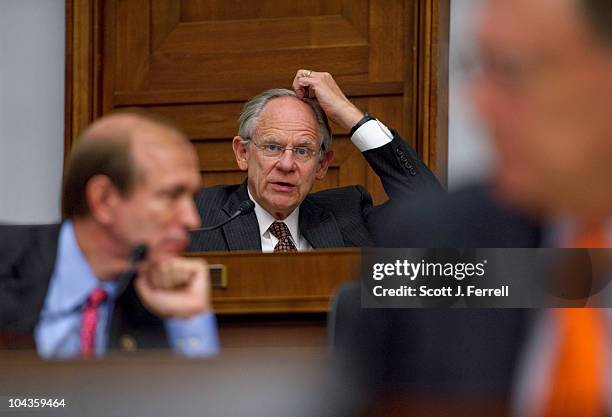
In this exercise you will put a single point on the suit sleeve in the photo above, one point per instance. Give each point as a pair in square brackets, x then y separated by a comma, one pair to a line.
[401, 171]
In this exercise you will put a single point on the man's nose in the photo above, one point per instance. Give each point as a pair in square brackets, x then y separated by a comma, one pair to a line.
[482, 93]
[189, 216]
[287, 161]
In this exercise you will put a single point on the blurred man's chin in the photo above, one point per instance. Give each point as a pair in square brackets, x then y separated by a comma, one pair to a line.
[172, 249]
[162, 256]
[515, 191]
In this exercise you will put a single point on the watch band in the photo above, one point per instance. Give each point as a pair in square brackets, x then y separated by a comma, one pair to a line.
[366, 118]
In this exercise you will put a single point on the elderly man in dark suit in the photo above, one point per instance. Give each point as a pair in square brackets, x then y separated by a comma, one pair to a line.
[543, 85]
[284, 144]
[129, 186]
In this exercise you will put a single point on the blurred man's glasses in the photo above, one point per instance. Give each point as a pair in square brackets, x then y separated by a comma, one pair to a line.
[276, 151]
[511, 70]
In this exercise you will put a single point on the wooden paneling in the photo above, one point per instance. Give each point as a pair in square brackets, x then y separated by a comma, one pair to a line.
[432, 84]
[165, 17]
[263, 307]
[273, 331]
[83, 76]
[132, 47]
[198, 10]
[204, 121]
[215, 37]
[387, 31]
[197, 61]
[255, 288]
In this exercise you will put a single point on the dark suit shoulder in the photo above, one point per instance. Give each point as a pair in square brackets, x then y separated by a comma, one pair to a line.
[343, 201]
[215, 205]
[210, 201]
[215, 190]
[465, 351]
[331, 195]
[215, 194]
[27, 259]
[17, 239]
[349, 207]
[471, 217]
[18, 230]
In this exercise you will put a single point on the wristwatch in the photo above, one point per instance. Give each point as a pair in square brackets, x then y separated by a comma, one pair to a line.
[366, 118]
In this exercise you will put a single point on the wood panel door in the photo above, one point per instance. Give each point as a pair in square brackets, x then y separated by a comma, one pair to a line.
[198, 61]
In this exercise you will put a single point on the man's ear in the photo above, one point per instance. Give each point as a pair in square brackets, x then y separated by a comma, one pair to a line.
[240, 151]
[324, 165]
[102, 198]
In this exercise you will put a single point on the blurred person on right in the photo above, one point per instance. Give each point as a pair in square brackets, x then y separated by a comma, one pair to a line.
[543, 86]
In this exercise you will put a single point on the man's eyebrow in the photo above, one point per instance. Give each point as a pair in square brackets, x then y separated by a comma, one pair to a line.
[306, 141]
[270, 139]
[174, 189]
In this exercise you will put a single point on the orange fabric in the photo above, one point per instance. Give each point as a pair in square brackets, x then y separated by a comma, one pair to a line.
[593, 237]
[579, 374]
[578, 379]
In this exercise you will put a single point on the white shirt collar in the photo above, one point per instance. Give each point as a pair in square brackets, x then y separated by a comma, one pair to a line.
[265, 220]
[72, 280]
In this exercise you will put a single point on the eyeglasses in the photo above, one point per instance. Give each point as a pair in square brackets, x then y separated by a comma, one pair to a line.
[507, 69]
[273, 150]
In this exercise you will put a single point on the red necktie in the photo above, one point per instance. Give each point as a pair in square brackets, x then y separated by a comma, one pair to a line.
[90, 321]
[578, 380]
[282, 233]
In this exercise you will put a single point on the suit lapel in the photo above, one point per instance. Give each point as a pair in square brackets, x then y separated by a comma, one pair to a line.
[241, 233]
[319, 226]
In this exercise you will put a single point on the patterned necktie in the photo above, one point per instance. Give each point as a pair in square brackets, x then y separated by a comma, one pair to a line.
[578, 379]
[90, 321]
[280, 231]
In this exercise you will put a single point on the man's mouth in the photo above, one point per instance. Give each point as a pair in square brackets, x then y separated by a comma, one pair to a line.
[282, 186]
[176, 245]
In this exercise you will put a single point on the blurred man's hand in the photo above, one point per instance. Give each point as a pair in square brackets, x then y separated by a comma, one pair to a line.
[331, 98]
[176, 288]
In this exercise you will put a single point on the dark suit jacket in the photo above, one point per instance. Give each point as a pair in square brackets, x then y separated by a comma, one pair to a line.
[470, 218]
[27, 260]
[467, 354]
[331, 218]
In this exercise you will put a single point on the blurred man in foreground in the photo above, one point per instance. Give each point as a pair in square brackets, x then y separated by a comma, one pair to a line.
[127, 208]
[543, 85]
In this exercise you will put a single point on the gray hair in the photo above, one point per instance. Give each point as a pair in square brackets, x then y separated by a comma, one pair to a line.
[253, 107]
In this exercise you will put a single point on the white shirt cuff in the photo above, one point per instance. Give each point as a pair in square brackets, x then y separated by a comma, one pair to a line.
[371, 135]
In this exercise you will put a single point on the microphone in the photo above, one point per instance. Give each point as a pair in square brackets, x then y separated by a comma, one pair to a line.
[139, 254]
[245, 207]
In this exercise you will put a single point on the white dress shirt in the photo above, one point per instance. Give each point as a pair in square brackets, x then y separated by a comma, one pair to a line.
[265, 220]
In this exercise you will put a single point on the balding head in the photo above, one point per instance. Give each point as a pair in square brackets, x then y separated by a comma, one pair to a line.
[112, 146]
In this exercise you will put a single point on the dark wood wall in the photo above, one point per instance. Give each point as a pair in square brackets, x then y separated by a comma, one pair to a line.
[197, 61]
